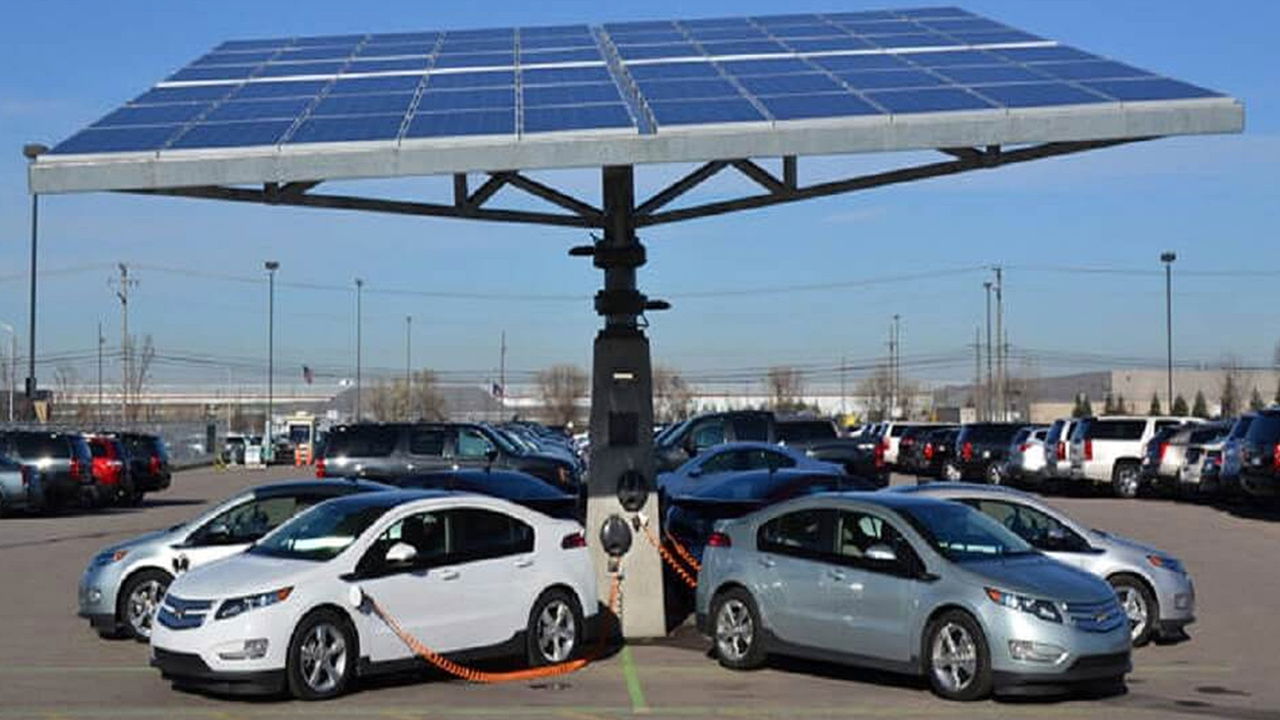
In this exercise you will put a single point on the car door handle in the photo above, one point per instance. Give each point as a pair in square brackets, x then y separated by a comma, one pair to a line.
[768, 562]
[524, 562]
[835, 575]
[448, 574]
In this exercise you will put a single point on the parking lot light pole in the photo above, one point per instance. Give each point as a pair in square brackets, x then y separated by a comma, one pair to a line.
[268, 447]
[359, 318]
[31, 151]
[1167, 258]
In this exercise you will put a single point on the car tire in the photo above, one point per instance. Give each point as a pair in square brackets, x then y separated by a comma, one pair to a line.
[1140, 604]
[736, 630]
[957, 659]
[322, 656]
[1126, 480]
[138, 601]
[555, 629]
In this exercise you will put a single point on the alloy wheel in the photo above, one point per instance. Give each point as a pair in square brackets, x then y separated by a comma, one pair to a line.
[1135, 607]
[142, 605]
[1127, 482]
[734, 630]
[324, 658]
[955, 658]
[557, 632]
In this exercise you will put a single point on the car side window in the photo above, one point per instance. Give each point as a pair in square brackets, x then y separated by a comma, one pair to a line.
[479, 534]
[426, 441]
[707, 434]
[426, 532]
[473, 444]
[720, 462]
[764, 459]
[1041, 530]
[859, 531]
[246, 522]
[805, 533]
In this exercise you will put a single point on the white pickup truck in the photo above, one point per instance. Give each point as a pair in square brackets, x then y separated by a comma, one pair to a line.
[1108, 450]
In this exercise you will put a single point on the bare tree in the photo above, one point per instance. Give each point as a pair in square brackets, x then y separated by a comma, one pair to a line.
[382, 401]
[877, 389]
[672, 396]
[67, 402]
[560, 386]
[425, 401]
[138, 372]
[786, 388]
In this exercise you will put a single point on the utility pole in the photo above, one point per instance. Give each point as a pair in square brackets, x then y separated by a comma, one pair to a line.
[268, 446]
[990, 375]
[408, 365]
[122, 293]
[359, 340]
[897, 361]
[977, 367]
[1167, 258]
[101, 341]
[844, 410]
[893, 388]
[1000, 356]
[502, 377]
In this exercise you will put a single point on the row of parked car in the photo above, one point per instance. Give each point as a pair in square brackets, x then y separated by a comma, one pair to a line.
[47, 471]
[1128, 455]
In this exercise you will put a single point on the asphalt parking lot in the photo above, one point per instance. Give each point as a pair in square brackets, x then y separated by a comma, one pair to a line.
[53, 666]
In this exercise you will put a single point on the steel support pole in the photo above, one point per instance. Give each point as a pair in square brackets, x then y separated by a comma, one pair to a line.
[1168, 327]
[31, 322]
[990, 375]
[622, 411]
[359, 340]
[268, 447]
[1001, 400]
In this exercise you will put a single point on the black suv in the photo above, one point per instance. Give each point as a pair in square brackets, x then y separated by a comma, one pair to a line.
[938, 454]
[983, 449]
[148, 461]
[62, 461]
[1260, 456]
[389, 451]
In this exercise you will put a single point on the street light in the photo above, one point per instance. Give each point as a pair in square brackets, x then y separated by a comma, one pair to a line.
[31, 151]
[268, 448]
[359, 329]
[1167, 258]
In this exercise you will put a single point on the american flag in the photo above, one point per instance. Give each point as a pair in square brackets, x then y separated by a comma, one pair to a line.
[308, 376]
[496, 390]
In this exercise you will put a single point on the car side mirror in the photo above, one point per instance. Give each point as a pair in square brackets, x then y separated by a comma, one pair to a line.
[695, 472]
[400, 555]
[1057, 535]
[219, 533]
[491, 455]
[881, 553]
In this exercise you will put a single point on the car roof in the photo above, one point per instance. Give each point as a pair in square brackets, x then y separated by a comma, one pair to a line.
[745, 445]
[933, 489]
[892, 501]
[335, 486]
[387, 499]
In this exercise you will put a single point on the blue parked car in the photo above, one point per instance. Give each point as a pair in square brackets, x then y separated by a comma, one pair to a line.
[518, 487]
[738, 457]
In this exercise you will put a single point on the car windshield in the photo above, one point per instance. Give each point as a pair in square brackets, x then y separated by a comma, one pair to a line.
[321, 533]
[963, 534]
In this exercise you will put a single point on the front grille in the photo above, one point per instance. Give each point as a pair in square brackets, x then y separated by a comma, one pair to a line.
[1097, 617]
[179, 614]
[1097, 662]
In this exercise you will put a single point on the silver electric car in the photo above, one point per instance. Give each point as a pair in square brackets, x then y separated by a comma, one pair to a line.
[122, 587]
[908, 584]
[1154, 587]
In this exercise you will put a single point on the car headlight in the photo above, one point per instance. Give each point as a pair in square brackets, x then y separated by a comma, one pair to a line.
[106, 558]
[1043, 609]
[1164, 561]
[234, 606]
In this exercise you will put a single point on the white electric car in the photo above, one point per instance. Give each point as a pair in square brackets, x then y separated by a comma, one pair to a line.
[467, 575]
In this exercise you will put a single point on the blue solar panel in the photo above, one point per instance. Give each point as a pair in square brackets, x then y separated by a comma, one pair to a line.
[672, 74]
[348, 129]
[1033, 94]
[580, 94]
[924, 100]
[693, 112]
[233, 134]
[384, 104]
[582, 117]
[477, 122]
[259, 109]
[795, 107]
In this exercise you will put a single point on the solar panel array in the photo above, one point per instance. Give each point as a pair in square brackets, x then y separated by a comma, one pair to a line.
[636, 77]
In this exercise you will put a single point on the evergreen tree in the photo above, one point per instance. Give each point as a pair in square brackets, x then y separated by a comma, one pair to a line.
[1199, 407]
[1179, 406]
[1154, 409]
[1255, 400]
[1108, 405]
[1122, 407]
[1230, 396]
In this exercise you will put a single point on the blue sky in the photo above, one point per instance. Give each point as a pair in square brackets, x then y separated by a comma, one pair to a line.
[1211, 199]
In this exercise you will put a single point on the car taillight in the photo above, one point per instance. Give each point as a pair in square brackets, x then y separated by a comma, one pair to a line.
[1275, 457]
[719, 539]
[966, 451]
[573, 540]
[1062, 450]
[320, 467]
[1164, 448]
[879, 455]
[77, 469]
[928, 451]
[153, 465]
[26, 476]
[1024, 447]
[1088, 449]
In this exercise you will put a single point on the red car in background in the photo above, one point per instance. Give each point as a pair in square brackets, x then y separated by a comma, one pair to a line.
[111, 471]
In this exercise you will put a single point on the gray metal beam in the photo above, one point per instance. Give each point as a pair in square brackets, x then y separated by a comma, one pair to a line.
[490, 188]
[866, 182]
[760, 176]
[681, 186]
[398, 207]
[555, 197]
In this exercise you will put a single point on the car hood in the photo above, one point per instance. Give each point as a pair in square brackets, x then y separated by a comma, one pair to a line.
[1118, 543]
[242, 574]
[1040, 576]
[156, 538]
